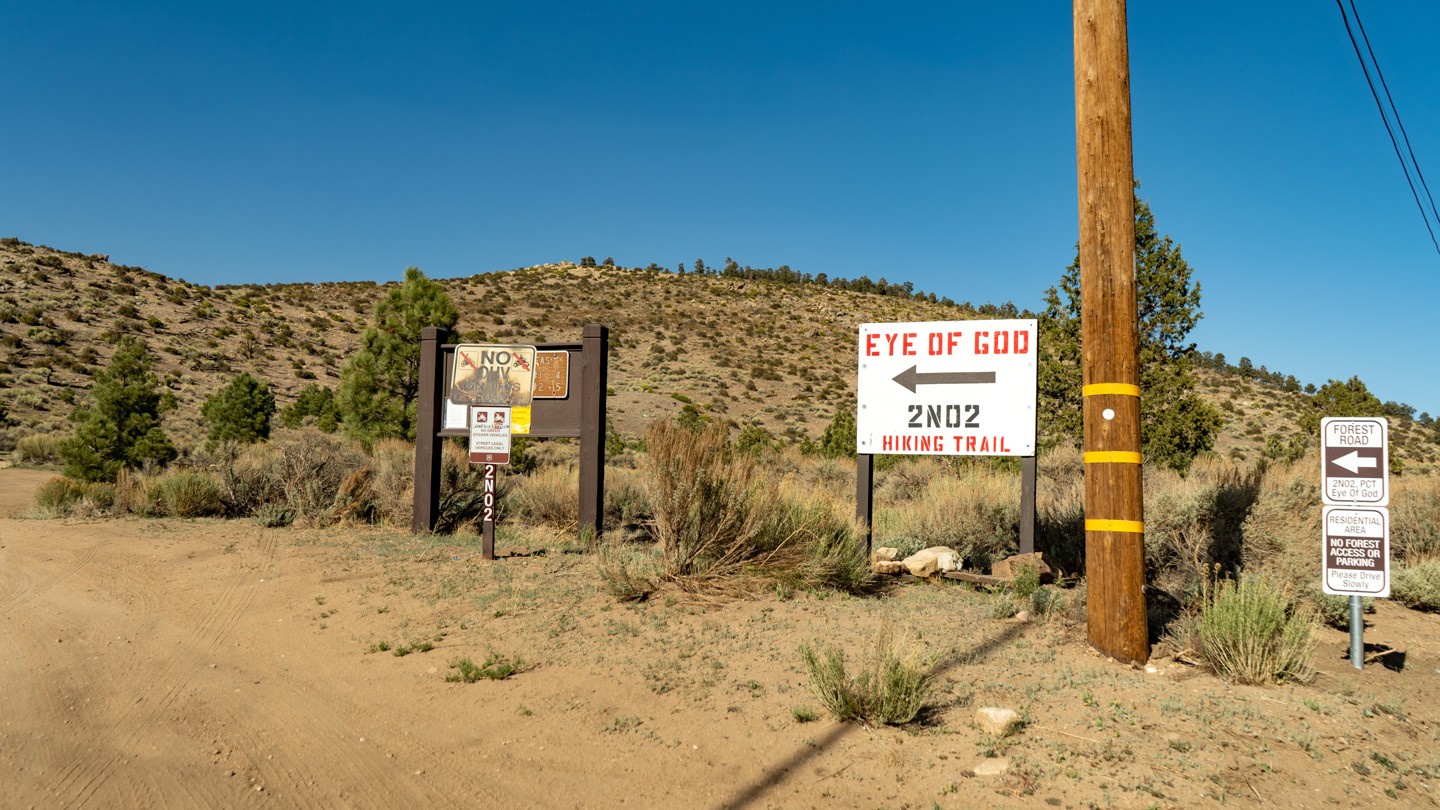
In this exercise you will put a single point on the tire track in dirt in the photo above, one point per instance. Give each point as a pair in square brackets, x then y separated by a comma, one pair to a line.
[19, 587]
[375, 761]
[52, 700]
[81, 782]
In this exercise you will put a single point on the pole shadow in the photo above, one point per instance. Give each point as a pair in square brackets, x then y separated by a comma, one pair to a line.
[776, 775]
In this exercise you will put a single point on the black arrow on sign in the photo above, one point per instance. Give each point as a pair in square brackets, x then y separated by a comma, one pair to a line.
[910, 378]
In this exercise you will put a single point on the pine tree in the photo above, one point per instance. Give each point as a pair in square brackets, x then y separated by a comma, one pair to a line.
[120, 428]
[380, 384]
[240, 412]
[1176, 425]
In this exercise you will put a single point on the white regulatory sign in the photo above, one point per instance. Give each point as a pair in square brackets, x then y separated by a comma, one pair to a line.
[1357, 551]
[951, 388]
[490, 435]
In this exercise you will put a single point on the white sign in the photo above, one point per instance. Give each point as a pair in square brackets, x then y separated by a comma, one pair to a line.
[490, 435]
[951, 388]
[1355, 460]
[1356, 552]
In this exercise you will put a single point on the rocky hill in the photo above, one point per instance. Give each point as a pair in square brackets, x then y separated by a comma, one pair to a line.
[781, 355]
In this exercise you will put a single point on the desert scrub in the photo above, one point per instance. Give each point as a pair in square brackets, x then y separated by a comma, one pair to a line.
[548, 497]
[629, 572]
[723, 527]
[1334, 610]
[41, 449]
[1250, 630]
[187, 493]
[709, 507]
[974, 512]
[1415, 514]
[59, 497]
[495, 668]
[1418, 586]
[891, 687]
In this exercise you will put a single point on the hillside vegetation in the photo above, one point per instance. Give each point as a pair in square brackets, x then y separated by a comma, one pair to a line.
[776, 353]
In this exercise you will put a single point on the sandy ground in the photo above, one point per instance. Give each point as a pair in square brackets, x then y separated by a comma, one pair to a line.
[203, 664]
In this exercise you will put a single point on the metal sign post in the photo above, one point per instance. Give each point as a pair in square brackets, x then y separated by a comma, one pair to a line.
[1355, 485]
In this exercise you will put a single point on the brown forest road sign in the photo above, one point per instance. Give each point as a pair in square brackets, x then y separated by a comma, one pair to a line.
[1355, 460]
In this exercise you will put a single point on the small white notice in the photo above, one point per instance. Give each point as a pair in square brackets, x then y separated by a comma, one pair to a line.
[489, 435]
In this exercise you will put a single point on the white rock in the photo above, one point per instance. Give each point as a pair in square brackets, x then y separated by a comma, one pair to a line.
[925, 562]
[992, 767]
[885, 554]
[997, 722]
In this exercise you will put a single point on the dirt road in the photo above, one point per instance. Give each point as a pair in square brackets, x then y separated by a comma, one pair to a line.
[207, 664]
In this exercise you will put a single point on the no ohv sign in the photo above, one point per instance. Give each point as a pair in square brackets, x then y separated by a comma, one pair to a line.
[947, 388]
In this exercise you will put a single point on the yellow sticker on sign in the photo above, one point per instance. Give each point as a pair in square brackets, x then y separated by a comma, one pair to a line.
[520, 421]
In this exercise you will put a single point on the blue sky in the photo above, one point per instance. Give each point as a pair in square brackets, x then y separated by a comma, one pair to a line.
[232, 143]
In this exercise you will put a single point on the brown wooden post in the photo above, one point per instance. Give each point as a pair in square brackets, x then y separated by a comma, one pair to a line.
[1027, 504]
[595, 355]
[427, 428]
[1114, 516]
[488, 508]
[865, 496]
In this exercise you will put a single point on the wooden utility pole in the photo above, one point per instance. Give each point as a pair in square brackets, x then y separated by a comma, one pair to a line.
[1114, 516]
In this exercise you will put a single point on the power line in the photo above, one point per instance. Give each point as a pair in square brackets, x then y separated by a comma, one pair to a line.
[1404, 167]
[1405, 136]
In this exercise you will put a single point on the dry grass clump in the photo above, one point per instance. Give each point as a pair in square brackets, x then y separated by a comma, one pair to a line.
[40, 449]
[975, 511]
[1282, 531]
[627, 502]
[60, 497]
[1415, 518]
[629, 572]
[549, 496]
[186, 493]
[392, 482]
[890, 688]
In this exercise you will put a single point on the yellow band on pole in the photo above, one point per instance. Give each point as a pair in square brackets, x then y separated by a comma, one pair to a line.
[1130, 526]
[1111, 457]
[1123, 389]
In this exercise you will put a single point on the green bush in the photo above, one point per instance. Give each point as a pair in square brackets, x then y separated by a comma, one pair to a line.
[1334, 610]
[274, 515]
[187, 493]
[754, 440]
[240, 412]
[1418, 586]
[838, 440]
[1251, 631]
[495, 668]
[314, 401]
[890, 689]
